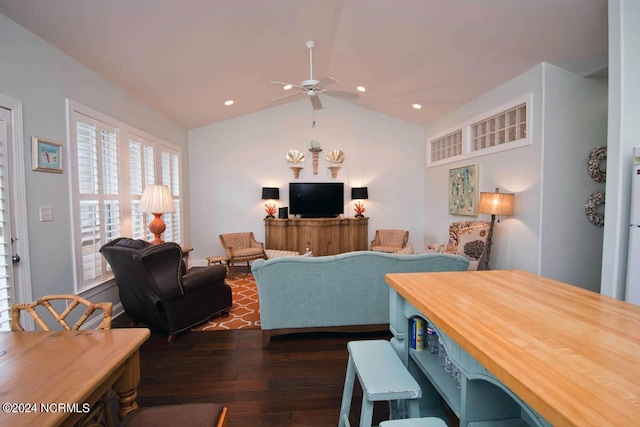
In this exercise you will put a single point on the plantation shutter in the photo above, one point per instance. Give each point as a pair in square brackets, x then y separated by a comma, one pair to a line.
[6, 267]
[141, 170]
[170, 170]
[98, 175]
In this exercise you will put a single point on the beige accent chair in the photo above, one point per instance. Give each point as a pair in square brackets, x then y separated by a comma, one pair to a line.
[241, 247]
[389, 241]
[466, 238]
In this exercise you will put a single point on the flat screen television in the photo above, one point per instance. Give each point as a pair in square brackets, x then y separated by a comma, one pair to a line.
[316, 199]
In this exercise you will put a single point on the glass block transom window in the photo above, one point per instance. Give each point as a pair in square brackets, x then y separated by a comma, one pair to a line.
[504, 127]
[446, 146]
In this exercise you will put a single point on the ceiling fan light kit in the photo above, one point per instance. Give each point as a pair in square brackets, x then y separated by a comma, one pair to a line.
[313, 88]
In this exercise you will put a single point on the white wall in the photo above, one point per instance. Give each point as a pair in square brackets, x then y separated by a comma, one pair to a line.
[549, 233]
[624, 134]
[231, 161]
[513, 171]
[40, 76]
[575, 122]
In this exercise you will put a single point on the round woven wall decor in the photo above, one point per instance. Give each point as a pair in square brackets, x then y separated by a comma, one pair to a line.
[591, 208]
[595, 159]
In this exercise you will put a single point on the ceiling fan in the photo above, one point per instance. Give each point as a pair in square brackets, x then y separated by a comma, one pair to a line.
[312, 88]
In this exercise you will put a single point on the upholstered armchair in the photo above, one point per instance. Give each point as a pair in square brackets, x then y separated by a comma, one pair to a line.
[241, 247]
[389, 241]
[467, 238]
[155, 289]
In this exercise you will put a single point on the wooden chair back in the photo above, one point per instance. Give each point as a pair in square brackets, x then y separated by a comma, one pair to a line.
[73, 302]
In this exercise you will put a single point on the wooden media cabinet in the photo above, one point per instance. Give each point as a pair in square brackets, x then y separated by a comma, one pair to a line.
[322, 236]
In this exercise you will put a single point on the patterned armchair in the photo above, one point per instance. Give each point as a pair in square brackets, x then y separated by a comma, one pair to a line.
[467, 238]
[389, 241]
[241, 247]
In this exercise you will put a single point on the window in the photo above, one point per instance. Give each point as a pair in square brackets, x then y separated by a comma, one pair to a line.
[447, 146]
[96, 148]
[141, 174]
[111, 165]
[503, 128]
[170, 167]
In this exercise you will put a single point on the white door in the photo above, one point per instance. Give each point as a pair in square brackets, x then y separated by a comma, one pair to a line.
[15, 283]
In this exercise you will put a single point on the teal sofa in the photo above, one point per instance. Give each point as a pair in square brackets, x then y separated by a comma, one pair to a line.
[345, 292]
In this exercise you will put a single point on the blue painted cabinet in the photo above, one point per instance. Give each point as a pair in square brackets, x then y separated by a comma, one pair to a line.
[479, 400]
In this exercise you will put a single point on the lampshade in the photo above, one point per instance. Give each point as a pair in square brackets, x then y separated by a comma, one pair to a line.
[270, 193]
[156, 199]
[359, 193]
[497, 203]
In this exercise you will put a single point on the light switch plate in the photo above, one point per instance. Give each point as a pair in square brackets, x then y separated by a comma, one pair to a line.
[46, 214]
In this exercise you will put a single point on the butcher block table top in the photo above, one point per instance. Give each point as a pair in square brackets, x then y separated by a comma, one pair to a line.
[570, 353]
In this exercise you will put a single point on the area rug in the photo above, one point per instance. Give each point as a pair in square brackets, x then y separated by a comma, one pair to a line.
[245, 311]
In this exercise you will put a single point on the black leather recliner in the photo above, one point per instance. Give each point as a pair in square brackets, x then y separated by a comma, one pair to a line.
[155, 289]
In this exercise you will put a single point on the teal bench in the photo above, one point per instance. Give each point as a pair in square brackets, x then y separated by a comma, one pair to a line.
[382, 376]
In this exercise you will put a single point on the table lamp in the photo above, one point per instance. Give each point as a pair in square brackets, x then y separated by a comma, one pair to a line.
[156, 199]
[270, 193]
[359, 193]
[494, 204]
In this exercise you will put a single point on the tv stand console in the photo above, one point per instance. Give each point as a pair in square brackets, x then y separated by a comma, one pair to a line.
[322, 236]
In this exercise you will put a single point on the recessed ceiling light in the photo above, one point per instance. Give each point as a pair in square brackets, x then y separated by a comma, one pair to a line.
[361, 88]
[417, 106]
[229, 102]
[287, 87]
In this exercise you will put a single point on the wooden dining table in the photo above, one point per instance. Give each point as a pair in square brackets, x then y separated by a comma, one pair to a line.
[52, 378]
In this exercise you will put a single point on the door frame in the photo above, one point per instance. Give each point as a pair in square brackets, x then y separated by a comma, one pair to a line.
[22, 273]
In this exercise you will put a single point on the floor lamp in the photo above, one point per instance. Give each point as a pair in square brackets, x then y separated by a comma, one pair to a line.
[494, 204]
[156, 199]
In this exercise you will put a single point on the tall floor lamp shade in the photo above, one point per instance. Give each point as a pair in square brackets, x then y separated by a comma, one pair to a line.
[495, 204]
[156, 199]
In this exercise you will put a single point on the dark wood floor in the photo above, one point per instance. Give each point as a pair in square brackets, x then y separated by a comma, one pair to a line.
[297, 381]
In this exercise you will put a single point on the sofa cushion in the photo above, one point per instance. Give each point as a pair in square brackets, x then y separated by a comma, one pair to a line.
[247, 252]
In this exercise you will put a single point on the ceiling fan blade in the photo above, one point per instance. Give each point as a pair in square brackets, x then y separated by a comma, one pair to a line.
[286, 84]
[315, 102]
[287, 96]
[341, 94]
[326, 81]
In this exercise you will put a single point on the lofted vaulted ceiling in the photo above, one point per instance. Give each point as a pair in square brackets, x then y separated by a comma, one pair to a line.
[184, 58]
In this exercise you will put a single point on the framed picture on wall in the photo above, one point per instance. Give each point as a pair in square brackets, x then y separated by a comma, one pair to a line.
[46, 155]
[463, 190]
